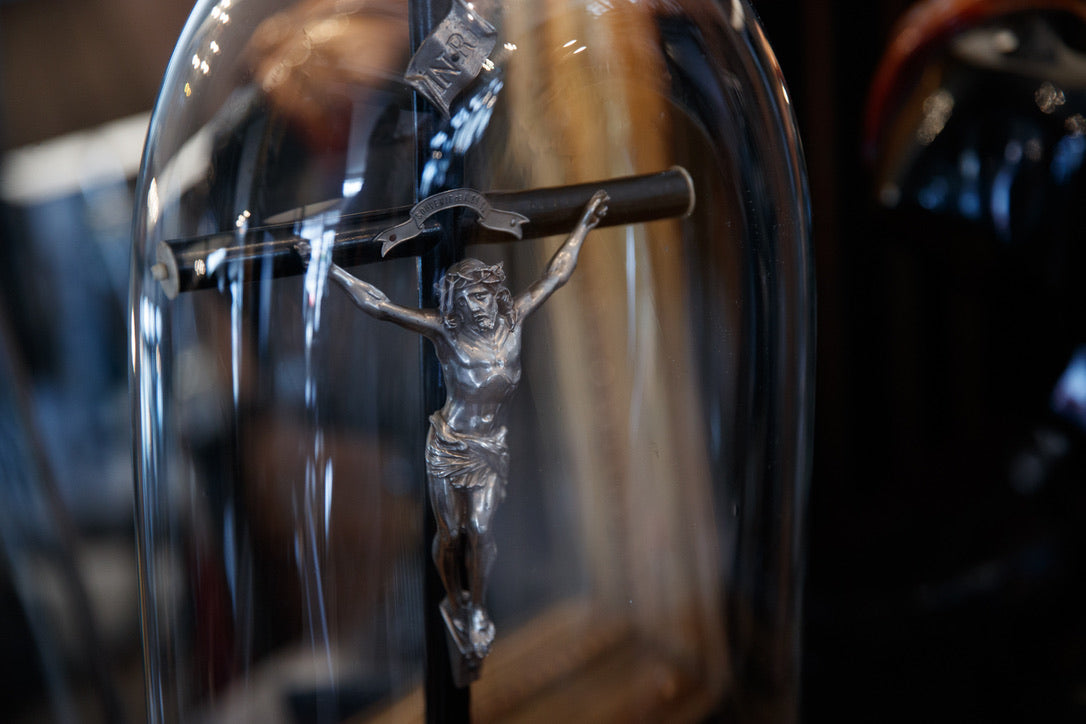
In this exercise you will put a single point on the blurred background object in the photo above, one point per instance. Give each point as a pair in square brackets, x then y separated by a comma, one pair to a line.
[975, 136]
[945, 146]
[76, 83]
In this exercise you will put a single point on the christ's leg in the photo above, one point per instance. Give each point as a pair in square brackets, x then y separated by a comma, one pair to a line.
[482, 550]
[448, 543]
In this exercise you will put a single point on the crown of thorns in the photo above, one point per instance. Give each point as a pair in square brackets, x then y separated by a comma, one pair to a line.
[474, 273]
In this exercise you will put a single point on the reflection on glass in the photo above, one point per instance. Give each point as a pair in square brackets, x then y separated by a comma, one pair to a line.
[649, 537]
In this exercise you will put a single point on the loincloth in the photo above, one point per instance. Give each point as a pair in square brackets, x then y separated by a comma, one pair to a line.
[466, 460]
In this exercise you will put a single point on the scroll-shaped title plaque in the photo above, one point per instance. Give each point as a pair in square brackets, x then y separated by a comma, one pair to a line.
[452, 56]
[490, 217]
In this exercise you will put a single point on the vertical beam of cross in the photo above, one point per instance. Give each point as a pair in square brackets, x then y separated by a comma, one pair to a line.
[445, 702]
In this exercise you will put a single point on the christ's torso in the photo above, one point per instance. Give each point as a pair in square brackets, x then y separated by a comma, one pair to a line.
[481, 372]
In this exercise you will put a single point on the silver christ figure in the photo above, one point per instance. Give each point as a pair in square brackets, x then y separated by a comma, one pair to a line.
[476, 334]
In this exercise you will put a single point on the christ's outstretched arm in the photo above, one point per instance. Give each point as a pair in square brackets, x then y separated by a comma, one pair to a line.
[376, 303]
[565, 259]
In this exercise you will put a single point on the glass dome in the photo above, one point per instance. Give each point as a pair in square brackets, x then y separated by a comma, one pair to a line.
[326, 421]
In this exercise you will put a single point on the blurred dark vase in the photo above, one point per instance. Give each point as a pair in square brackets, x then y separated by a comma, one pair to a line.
[976, 134]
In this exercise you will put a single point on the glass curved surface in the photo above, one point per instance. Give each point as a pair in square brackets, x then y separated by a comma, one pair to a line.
[648, 547]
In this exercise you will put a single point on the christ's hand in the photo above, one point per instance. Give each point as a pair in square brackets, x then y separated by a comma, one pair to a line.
[594, 210]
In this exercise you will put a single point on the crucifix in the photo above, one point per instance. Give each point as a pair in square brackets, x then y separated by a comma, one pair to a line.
[472, 325]
[476, 333]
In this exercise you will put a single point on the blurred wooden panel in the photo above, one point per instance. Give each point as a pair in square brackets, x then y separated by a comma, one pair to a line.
[72, 64]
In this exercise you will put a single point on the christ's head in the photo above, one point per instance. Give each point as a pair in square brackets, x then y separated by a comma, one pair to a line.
[473, 295]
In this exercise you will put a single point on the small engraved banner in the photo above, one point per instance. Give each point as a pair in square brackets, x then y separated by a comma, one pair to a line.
[496, 219]
[452, 56]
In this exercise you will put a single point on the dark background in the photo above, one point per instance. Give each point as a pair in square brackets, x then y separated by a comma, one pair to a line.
[945, 571]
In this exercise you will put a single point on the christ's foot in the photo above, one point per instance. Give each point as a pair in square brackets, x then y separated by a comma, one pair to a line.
[482, 632]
